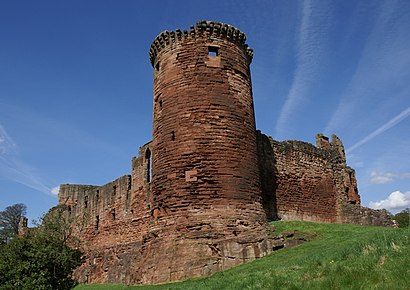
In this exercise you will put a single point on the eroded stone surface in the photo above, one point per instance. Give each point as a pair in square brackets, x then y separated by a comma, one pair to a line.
[304, 182]
[205, 185]
[200, 194]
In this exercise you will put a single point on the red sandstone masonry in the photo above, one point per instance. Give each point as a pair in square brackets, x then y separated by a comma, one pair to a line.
[205, 187]
[112, 220]
[304, 182]
[304, 174]
[200, 193]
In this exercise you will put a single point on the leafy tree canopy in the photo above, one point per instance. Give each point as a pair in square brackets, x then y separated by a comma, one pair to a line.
[403, 218]
[43, 259]
[9, 221]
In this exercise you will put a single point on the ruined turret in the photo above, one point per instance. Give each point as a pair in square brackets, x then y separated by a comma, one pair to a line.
[23, 226]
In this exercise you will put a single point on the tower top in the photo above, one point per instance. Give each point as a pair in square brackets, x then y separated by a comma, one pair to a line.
[203, 27]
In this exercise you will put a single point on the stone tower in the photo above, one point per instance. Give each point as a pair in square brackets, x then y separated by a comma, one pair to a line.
[206, 200]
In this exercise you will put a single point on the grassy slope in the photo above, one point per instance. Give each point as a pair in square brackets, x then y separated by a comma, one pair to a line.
[340, 257]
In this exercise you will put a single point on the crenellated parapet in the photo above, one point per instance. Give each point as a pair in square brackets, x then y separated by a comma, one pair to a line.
[203, 27]
[331, 151]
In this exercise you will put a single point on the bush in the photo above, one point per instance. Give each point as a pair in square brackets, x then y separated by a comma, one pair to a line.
[42, 259]
[402, 218]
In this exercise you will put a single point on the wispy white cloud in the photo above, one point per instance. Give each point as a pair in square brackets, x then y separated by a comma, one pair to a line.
[6, 143]
[382, 66]
[381, 178]
[391, 123]
[387, 177]
[395, 202]
[310, 51]
[55, 190]
[12, 167]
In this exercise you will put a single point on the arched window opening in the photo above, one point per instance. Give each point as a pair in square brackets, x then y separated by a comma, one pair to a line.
[148, 160]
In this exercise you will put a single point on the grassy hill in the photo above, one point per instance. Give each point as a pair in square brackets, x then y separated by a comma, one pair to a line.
[338, 257]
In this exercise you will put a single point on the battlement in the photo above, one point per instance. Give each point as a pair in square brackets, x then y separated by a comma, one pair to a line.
[310, 182]
[97, 200]
[203, 27]
[332, 151]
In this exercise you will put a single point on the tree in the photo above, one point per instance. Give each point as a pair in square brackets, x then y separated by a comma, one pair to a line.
[44, 258]
[9, 221]
[403, 218]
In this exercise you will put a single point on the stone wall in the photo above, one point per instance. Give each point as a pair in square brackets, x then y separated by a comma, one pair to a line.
[111, 220]
[192, 205]
[200, 194]
[120, 224]
[305, 188]
[354, 214]
[301, 181]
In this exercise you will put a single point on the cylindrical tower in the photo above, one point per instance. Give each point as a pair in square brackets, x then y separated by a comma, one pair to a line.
[206, 200]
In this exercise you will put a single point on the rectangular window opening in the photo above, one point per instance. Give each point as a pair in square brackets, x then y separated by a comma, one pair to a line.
[212, 51]
[97, 222]
[114, 192]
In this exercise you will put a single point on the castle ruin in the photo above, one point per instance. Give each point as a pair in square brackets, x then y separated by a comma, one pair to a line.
[201, 193]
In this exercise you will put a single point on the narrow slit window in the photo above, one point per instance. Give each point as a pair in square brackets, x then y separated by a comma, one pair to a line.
[173, 135]
[113, 213]
[212, 51]
[97, 222]
[149, 165]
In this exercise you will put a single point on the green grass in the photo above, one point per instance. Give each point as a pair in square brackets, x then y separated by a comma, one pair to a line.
[339, 257]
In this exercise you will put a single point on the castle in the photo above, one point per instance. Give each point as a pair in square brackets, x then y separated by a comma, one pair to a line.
[200, 195]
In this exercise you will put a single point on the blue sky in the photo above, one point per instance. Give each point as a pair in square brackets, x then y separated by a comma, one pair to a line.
[76, 86]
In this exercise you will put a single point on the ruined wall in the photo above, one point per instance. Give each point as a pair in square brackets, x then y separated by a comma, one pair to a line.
[101, 208]
[356, 214]
[23, 226]
[305, 188]
[200, 194]
[301, 181]
[111, 220]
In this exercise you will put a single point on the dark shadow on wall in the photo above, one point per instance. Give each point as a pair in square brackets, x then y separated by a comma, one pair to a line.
[268, 173]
